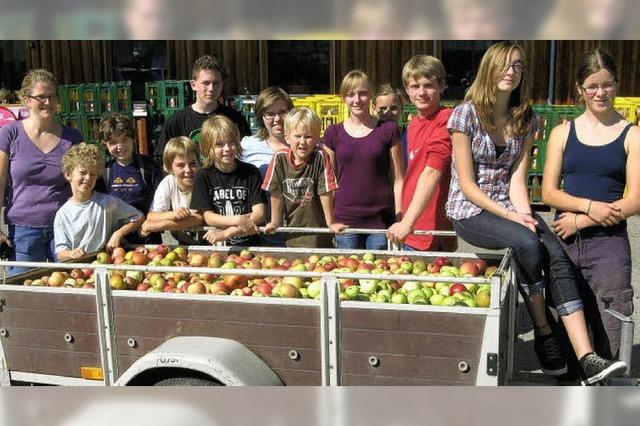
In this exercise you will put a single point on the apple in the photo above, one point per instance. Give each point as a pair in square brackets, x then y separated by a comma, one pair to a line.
[198, 260]
[352, 291]
[141, 249]
[406, 267]
[87, 285]
[294, 281]
[119, 252]
[70, 282]
[237, 292]
[37, 282]
[87, 273]
[269, 262]
[481, 264]
[181, 252]
[468, 268]
[228, 265]
[449, 301]
[369, 257]
[314, 258]
[162, 249]
[139, 258]
[246, 254]
[436, 299]
[264, 289]
[117, 260]
[196, 288]
[329, 266]
[457, 288]
[432, 268]
[56, 279]
[442, 261]
[289, 291]
[428, 292]
[483, 299]
[117, 282]
[490, 271]
[215, 260]
[77, 273]
[103, 258]
[410, 286]
[234, 281]
[399, 298]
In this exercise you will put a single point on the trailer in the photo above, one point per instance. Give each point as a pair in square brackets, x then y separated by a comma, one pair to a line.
[76, 336]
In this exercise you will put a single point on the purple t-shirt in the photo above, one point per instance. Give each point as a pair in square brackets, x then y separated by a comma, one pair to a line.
[36, 187]
[364, 198]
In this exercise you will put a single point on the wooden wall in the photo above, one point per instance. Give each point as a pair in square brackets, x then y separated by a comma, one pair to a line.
[71, 61]
[90, 61]
[241, 58]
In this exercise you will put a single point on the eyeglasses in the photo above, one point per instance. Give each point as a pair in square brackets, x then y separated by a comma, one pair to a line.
[607, 88]
[270, 115]
[42, 98]
[516, 66]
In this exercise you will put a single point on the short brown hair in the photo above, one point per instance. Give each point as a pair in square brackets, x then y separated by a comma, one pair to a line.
[423, 66]
[116, 125]
[592, 62]
[36, 76]
[85, 155]
[218, 127]
[352, 80]
[266, 98]
[209, 63]
[180, 145]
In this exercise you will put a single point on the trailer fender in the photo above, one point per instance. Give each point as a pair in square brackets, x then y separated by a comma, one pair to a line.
[226, 361]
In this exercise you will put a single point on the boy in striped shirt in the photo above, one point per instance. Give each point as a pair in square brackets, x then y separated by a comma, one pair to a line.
[300, 180]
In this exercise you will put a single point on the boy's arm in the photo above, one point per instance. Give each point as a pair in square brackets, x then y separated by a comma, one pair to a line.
[168, 223]
[64, 255]
[277, 205]
[326, 200]
[425, 188]
[126, 229]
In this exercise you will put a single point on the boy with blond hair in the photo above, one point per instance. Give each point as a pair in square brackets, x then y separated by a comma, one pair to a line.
[301, 180]
[426, 182]
[90, 220]
[170, 208]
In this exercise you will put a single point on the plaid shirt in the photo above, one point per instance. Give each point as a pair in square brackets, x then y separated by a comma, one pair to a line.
[492, 174]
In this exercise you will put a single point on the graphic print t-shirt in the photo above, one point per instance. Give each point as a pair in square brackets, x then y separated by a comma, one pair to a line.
[301, 187]
[228, 194]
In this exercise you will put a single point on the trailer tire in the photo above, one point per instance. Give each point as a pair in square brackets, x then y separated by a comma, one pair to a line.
[186, 381]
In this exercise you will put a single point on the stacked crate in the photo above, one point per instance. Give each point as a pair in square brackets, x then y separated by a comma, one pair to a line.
[166, 97]
[330, 108]
[550, 116]
[82, 106]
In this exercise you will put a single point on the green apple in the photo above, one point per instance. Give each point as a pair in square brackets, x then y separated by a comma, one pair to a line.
[381, 298]
[406, 267]
[410, 286]
[314, 289]
[352, 291]
[415, 295]
[369, 257]
[427, 292]
[436, 299]
[399, 298]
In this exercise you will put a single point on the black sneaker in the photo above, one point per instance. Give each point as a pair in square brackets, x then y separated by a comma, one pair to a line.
[595, 368]
[550, 355]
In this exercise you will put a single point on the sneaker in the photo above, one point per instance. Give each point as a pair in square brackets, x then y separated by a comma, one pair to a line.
[550, 355]
[595, 368]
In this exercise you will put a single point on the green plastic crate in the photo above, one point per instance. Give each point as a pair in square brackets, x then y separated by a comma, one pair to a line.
[71, 99]
[175, 95]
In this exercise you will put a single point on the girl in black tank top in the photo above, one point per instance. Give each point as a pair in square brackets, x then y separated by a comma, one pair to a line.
[592, 204]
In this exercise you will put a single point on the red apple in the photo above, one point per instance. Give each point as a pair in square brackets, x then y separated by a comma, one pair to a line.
[468, 268]
[248, 290]
[219, 288]
[457, 288]
[131, 283]
[119, 252]
[143, 286]
[481, 264]
[330, 266]
[234, 281]
[162, 249]
[264, 289]
[141, 249]
[139, 258]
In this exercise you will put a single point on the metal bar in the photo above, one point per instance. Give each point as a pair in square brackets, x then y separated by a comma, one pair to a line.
[301, 230]
[105, 325]
[330, 331]
[626, 337]
[552, 74]
[255, 272]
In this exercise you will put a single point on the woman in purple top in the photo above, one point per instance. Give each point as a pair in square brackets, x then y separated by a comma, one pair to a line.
[368, 158]
[31, 153]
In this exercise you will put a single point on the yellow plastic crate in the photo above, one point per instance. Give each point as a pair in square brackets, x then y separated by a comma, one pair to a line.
[629, 108]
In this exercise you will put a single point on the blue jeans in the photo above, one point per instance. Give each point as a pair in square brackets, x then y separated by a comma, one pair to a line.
[533, 253]
[31, 245]
[361, 241]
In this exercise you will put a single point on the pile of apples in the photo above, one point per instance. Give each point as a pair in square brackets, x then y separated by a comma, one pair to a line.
[373, 290]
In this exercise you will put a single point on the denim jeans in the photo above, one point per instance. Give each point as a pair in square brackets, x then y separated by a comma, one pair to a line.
[533, 253]
[604, 260]
[361, 241]
[31, 245]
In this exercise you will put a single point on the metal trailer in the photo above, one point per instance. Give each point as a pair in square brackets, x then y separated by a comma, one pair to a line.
[55, 335]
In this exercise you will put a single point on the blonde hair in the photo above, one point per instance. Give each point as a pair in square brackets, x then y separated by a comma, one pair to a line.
[304, 116]
[387, 89]
[85, 155]
[352, 80]
[266, 98]
[214, 129]
[116, 125]
[209, 63]
[483, 91]
[424, 66]
[36, 76]
[179, 146]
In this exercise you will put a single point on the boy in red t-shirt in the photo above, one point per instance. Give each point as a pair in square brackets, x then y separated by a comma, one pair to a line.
[428, 159]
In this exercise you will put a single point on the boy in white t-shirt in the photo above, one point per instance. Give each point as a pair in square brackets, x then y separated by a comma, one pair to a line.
[90, 221]
[170, 207]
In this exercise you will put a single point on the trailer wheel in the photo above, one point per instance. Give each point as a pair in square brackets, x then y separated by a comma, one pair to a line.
[186, 381]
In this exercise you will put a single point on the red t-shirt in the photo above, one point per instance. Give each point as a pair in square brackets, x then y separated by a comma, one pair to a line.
[429, 144]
